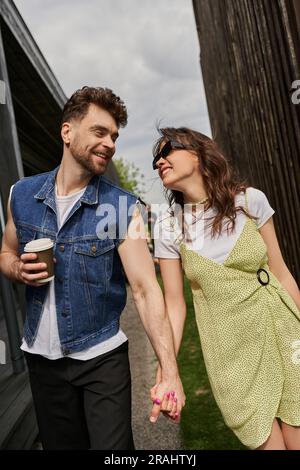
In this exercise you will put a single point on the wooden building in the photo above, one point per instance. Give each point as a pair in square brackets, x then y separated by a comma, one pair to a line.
[31, 101]
[250, 60]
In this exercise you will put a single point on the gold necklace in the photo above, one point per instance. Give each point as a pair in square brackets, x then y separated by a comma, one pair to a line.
[200, 202]
[203, 200]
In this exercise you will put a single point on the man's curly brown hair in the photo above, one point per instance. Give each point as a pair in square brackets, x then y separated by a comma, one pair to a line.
[77, 106]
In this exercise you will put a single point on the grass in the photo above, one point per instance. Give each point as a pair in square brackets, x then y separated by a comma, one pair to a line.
[202, 424]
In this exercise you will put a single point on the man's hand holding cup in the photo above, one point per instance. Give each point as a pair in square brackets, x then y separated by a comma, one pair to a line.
[36, 265]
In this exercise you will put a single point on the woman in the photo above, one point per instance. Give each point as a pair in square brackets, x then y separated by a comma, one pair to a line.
[246, 300]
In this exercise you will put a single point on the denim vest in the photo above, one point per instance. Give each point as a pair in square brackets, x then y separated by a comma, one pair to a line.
[90, 287]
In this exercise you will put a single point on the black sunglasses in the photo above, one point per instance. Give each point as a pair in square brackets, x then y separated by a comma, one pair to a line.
[166, 150]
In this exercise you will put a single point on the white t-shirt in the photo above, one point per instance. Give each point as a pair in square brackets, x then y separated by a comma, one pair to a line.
[168, 233]
[47, 341]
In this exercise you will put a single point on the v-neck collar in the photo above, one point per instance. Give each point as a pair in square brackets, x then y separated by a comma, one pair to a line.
[211, 261]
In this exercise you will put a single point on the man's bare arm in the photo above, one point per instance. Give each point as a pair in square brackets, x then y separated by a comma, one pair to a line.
[17, 268]
[149, 301]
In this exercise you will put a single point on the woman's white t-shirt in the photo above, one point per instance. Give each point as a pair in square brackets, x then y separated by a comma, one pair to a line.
[198, 237]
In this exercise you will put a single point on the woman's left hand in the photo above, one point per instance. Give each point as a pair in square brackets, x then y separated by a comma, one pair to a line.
[168, 405]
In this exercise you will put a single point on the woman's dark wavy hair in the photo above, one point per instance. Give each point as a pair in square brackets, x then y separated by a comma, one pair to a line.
[221, 182]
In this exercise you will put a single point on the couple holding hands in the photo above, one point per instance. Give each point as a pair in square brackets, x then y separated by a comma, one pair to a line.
[217, 231]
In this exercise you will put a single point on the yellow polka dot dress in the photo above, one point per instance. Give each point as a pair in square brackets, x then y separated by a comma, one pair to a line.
[249, 329]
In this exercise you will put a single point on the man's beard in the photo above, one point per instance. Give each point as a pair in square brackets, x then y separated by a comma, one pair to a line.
[85, 159]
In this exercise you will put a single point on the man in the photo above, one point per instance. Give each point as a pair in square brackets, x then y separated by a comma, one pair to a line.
[77, 355]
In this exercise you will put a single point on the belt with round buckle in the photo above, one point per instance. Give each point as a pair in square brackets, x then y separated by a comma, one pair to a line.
[263, 283]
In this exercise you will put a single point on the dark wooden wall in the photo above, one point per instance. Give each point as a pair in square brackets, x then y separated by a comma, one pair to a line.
[250, 57]
[11, 168]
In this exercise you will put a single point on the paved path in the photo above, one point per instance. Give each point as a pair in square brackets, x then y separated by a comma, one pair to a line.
[163, 434]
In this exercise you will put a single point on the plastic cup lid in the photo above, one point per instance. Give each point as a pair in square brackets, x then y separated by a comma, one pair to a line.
[38, 245]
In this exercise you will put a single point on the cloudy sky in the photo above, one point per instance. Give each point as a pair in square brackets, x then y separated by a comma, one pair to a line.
[146, 51]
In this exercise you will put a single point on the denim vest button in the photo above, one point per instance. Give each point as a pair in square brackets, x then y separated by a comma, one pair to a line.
[94, 248]
[62, 247]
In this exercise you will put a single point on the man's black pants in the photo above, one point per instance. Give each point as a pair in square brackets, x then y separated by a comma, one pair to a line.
[83, 404]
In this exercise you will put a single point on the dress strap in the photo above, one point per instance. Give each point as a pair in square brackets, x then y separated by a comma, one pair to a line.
[246, 200]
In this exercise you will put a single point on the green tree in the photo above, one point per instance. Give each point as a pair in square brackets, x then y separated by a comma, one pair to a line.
[131, 177]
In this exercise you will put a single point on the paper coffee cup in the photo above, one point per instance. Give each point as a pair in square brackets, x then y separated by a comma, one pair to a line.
[43, 247]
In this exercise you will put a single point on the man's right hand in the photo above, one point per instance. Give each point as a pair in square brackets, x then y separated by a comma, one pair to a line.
[30, 272]
[20, 269]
